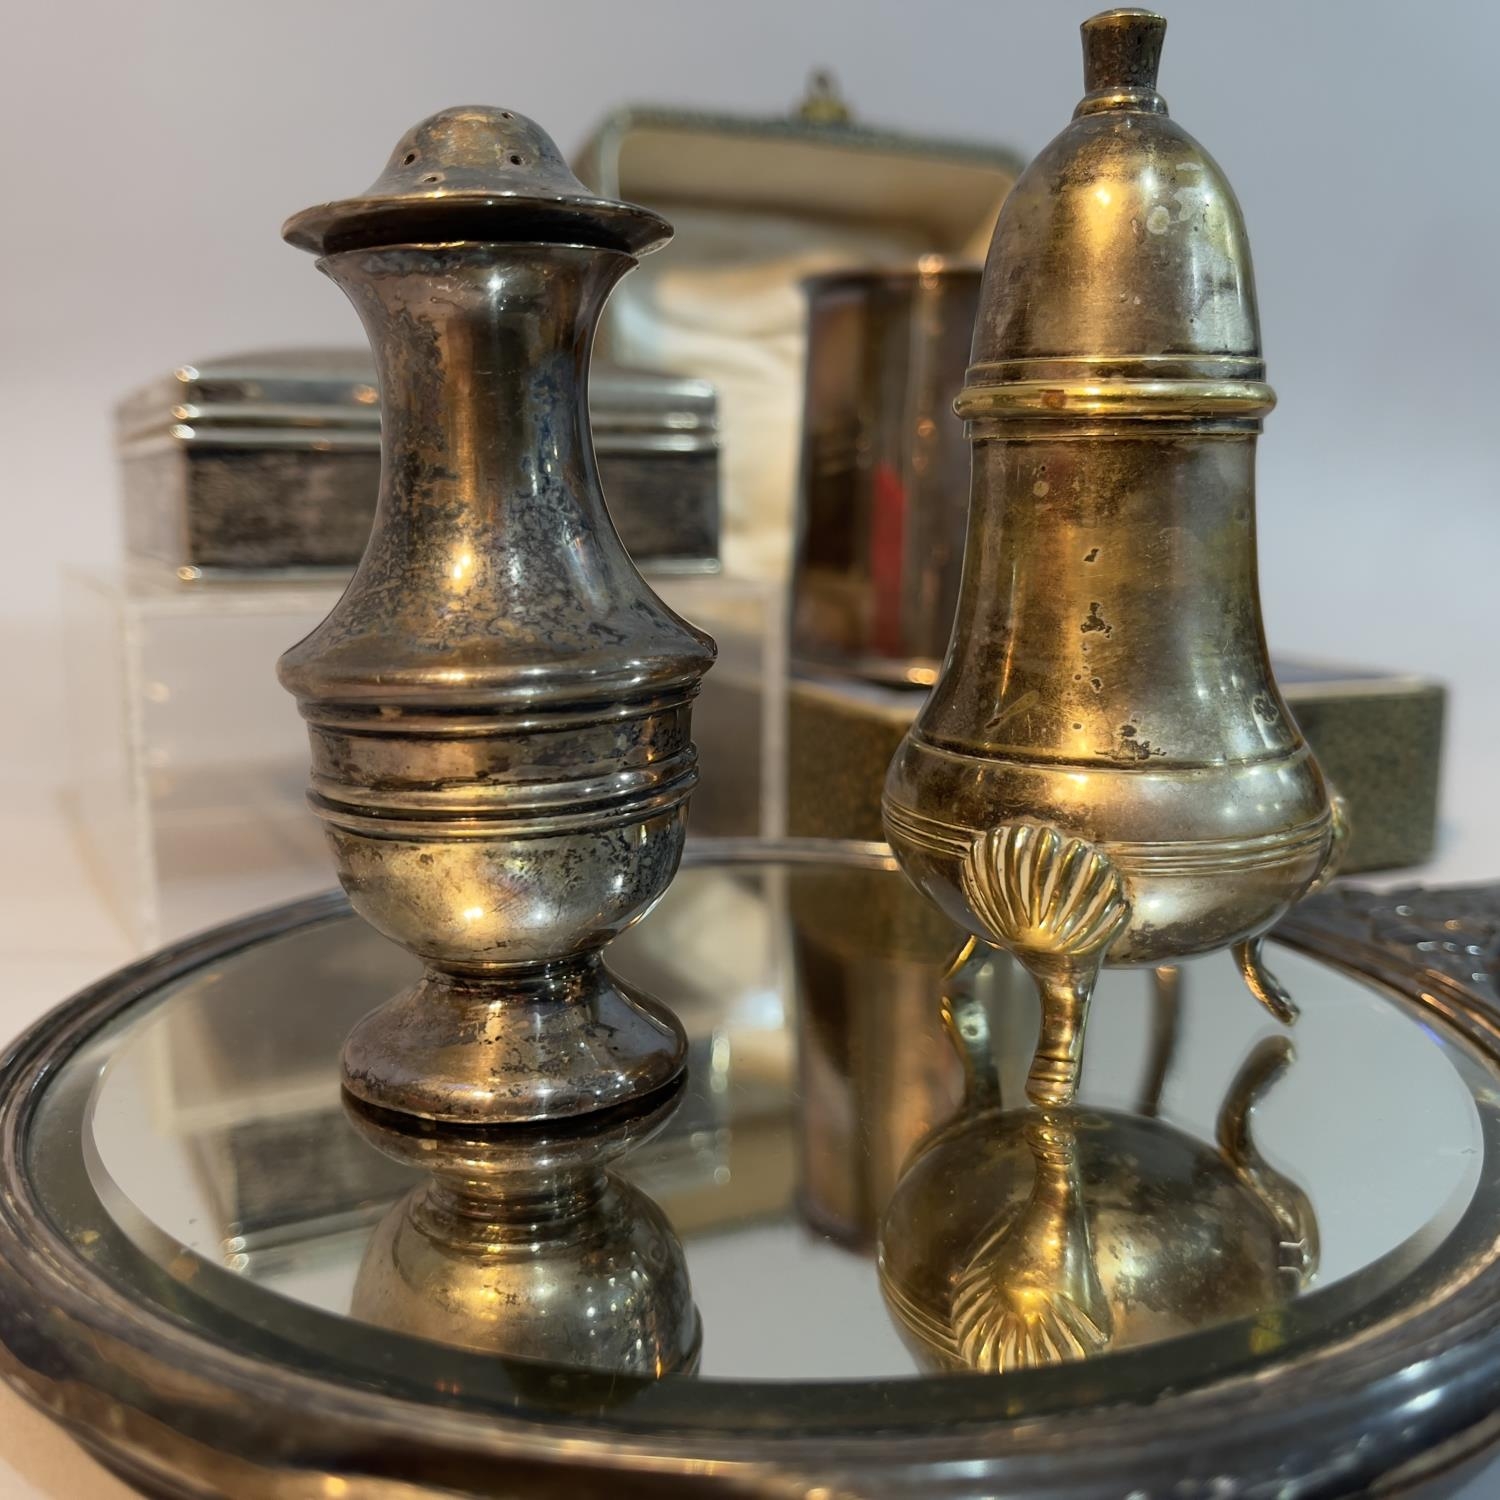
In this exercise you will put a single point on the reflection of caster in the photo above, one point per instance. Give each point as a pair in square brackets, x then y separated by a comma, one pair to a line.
[1088, 1229]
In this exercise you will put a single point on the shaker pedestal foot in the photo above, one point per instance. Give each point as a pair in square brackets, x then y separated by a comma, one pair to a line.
[551, 1043]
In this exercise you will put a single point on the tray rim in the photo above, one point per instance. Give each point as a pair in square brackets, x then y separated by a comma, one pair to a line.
[180, 1414]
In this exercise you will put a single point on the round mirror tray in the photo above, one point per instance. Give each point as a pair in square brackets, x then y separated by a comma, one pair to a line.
[842, 1259]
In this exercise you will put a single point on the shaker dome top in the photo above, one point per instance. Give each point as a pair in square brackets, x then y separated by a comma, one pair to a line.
[476, 173]
[1120, 253]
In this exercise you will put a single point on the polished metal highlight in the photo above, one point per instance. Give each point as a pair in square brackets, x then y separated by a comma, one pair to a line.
[499, 705]
[522, 1243]
[1105, 771]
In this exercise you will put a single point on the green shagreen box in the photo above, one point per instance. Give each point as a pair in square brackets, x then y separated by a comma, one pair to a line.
[1378, 737]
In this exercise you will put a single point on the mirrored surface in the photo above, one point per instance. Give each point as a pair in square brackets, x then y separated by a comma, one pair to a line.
[844, 1181]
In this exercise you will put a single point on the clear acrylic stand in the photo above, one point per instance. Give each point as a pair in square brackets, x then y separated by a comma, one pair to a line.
[189, 761]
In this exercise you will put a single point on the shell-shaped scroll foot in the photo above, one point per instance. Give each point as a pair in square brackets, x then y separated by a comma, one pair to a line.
[1042, 894]
[994, 1334]
[1057, 1063]
[1057, 903]
[1262, 983]
[1339, 831]
[1030, 1294]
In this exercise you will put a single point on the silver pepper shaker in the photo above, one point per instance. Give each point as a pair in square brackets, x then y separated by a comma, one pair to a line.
[499, 705]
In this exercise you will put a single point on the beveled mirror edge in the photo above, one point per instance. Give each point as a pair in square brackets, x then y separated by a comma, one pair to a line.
[180, 1414]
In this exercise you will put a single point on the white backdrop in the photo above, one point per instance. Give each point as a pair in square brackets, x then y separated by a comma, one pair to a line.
[153, 150]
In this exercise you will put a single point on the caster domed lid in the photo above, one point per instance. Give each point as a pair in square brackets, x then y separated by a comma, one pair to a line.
[1119, 276]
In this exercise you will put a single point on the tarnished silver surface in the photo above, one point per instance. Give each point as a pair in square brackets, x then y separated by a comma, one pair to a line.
[1105, 771]
[268, 462]
[499, 705]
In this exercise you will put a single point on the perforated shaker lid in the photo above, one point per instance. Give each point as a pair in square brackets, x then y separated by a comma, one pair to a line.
[479, 173]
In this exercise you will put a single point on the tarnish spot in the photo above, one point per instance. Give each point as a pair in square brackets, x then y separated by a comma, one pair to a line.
[1092, 555]
[1158, 220]
[1132, 747]
[1040, 488]
[1096, 621]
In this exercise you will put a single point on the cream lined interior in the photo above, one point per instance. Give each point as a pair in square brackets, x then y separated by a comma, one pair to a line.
[754, 214]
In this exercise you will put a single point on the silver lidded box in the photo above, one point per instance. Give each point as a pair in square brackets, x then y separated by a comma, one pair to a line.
[269, 462]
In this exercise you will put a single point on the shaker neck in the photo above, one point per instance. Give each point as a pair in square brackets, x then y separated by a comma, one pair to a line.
[506, 329]
[521, 1207]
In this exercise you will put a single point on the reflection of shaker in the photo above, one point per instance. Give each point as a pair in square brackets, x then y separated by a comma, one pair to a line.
[522, 1242]
[884, 469]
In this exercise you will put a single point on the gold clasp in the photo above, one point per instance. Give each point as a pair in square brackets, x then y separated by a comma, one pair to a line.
[823, 104]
